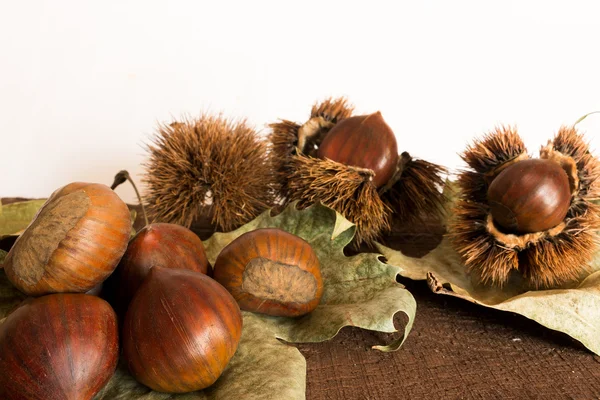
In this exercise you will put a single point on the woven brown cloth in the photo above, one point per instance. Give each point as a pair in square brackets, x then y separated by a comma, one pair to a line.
[456, 350]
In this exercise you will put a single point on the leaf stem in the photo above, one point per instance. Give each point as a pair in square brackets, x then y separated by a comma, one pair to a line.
[585, 116]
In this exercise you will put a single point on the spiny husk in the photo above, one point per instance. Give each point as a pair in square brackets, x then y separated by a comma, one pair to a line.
[208, 166]
[284, 136]
[565, 257]
[497, 147]
[569, 142]
[348, 190]
[333, 110]
[417, 193]
[545, 259]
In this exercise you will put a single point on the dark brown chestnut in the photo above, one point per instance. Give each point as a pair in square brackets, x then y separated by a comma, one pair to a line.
[74, 242]
[530, 196]
[271, 271]
[364, 141]
[180, 331]
[58, 347]
[165, 245]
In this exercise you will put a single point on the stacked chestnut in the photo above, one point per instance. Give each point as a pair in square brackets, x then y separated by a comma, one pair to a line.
[179, 327]
[64, 345]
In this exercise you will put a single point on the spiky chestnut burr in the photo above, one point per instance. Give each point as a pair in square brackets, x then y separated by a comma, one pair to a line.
[208, 167]
[351, 164]
[530, 217]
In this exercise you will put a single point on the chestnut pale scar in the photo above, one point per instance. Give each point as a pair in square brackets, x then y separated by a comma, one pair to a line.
[44, 235]
[271, 280]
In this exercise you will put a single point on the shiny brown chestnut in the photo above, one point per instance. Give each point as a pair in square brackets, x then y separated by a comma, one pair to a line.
[271, 271]
[180, 331]
[364, 141]
[58, 347]
[530, 196]
[74, 242]
[159, 244]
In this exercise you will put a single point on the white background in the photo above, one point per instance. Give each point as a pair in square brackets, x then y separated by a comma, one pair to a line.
[83, 83]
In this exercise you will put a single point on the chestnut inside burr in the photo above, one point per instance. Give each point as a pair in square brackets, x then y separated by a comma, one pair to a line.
[271, 280]
[530, 196]
[363, 141]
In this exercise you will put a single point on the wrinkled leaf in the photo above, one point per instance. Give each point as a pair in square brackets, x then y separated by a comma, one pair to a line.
[15, 217]
[572, 310]
[359, 291]
[262, 368]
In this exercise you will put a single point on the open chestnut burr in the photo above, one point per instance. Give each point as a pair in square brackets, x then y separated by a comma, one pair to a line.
[271, 271]
[531, 217]
[351, 164]
[58, 347]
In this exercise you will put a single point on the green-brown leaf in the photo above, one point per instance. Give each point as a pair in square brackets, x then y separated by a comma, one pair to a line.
[15, 217]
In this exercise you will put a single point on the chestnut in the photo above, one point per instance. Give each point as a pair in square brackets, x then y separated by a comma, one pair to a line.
[364, 141]
[162, 244]
[74, 242]
[271, 271]
[58, 347]
[530, 196]
[180, 331]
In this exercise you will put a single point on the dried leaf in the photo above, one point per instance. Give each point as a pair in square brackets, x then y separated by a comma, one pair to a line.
[572, 310]
[15, 217]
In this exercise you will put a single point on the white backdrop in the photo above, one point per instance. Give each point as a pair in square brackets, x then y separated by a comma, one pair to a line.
[82, 84]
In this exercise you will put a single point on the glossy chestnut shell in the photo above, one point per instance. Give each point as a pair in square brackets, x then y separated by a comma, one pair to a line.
[159, 244]
[364, 141]
[530, 196]
[74, 242]
[58, 347]
[271, 271]
[181, 330]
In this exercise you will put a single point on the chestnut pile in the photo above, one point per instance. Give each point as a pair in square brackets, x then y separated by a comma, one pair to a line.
[177, 327]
